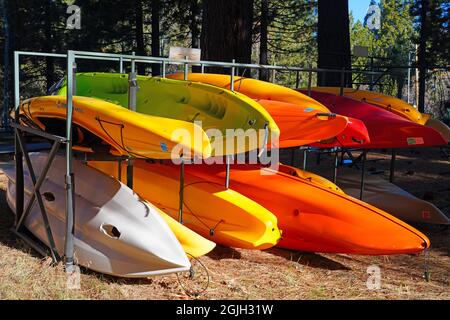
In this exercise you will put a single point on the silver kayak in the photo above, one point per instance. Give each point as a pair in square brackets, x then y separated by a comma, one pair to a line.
[116, 232]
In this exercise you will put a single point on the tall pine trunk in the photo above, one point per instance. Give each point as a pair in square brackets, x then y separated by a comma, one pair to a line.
[48, 45]
[139, 29]
[263, 55]
[195, 32]
[227, 31]
[156, 7]
[333, 41]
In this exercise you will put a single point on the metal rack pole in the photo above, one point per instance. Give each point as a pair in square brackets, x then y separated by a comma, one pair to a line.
[180, 205]
[336, 163]
[227, 171]
[232, 77]
[130, 173]
[305, 158]
[18, 151]
[132, 87]
[69, 241]
[392, 167]
[120, 65]
[186, 68]
[163, 73]
[363, 173]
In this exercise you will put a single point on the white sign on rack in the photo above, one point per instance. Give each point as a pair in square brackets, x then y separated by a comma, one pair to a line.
[180, 53]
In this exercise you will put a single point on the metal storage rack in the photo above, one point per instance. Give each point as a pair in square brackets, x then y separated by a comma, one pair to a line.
[71, 58]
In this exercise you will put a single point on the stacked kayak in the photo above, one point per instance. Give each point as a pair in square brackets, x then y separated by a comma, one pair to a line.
[391, 198]
[391, 104]
[219, 112]
[315, 218]
[103, 126]
[386, 129]
[115, 231]
[281, 102]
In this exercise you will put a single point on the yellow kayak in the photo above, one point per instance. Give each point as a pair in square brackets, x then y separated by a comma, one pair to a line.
[193, 244]
[392, 104]
[216, 213]
[100, 124]
[256, 89]
[224, 115]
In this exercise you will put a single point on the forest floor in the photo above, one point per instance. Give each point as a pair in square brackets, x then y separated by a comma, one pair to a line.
[269, 274]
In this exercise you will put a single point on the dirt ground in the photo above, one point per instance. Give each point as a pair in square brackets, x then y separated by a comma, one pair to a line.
[270, 274]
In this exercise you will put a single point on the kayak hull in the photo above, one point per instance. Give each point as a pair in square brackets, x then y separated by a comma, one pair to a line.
[300, 125]
[392, 104]
[386, 129]
[129, 133]
[115, 232]
[388, 197]
[314, 218]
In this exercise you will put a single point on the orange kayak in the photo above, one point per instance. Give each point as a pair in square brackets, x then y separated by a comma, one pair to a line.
[315, 218]
[301, 126]
[277, 99]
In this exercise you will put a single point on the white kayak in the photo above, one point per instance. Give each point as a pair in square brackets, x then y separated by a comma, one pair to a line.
[116, 232]
[388, 197]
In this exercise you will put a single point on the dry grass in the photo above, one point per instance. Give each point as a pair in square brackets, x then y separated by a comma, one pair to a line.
[245, 274]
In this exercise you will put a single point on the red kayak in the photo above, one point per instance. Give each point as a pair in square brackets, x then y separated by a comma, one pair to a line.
[386, 129]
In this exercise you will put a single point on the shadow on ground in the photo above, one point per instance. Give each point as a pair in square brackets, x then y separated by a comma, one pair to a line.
[308, 259]
[221, 252]
[7, 237]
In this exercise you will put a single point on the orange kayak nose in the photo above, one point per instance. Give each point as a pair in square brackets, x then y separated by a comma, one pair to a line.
[370, 232]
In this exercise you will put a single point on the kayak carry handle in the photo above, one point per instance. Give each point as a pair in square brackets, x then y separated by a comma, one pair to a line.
[325, 114]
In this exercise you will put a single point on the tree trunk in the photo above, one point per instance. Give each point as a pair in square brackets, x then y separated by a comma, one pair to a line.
[6, 57]
[333, 41]
[263, 56]
[422, 54]
[48, 45]
[400, 85]
[195, 32]
[227, 31]
[156, 5]
[139, 29]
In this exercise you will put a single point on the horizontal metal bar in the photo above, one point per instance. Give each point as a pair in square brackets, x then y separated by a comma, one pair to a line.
[99, 56]
[41, 54]
[97, 156]
[38, 132]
